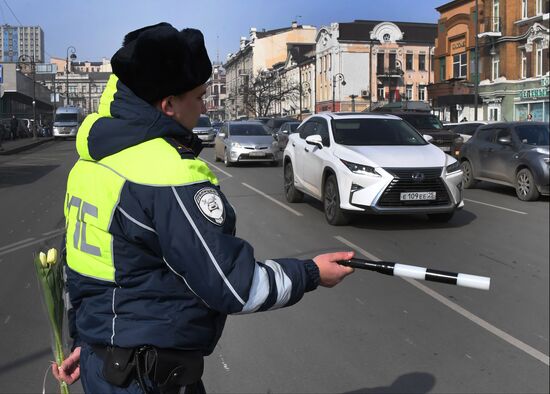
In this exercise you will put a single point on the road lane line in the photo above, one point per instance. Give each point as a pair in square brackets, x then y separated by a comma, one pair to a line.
[457, 308]
[496, 206]
[53, 231]
[274, 200]
[217, 168]
[15, 244]
[30, 243]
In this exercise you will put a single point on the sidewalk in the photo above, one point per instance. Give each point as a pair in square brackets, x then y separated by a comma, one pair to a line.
[21, 144]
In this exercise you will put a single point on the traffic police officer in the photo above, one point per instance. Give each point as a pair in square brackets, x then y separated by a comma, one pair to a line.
[153, 263]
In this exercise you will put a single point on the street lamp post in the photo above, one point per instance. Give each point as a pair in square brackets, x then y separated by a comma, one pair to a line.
[72, 56]
[337, 77]
[24, 59]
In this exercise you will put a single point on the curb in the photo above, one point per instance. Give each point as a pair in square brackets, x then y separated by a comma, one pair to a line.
[30, 145]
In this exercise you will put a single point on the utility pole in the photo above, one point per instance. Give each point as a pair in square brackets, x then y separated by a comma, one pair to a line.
[476, 65]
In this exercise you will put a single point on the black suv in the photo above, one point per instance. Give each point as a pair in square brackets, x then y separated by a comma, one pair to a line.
[429, 124]
[509, 153]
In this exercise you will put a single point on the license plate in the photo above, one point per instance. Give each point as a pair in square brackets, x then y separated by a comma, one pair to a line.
[445, 148]
[417, 196]
[257, 154]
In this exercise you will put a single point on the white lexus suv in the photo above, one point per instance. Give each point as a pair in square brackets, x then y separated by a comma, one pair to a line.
[377, 163]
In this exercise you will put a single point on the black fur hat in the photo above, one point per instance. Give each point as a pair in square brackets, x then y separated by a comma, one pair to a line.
[158, 61]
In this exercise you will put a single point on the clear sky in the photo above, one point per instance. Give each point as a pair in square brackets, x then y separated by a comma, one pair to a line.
[96, 27]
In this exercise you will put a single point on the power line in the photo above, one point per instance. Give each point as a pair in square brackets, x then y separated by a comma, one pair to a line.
[13, 13]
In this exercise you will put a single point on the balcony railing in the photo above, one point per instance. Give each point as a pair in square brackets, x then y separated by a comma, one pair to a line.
[491, 26]
[392, 72]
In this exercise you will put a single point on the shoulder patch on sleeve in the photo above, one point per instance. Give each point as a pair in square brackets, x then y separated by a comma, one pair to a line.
[210, 204]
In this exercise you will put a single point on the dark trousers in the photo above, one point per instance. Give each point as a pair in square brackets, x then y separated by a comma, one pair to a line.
[92, 380]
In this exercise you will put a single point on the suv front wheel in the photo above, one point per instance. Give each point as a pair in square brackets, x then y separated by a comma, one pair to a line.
[291, 193]
[525, 186]
[331, 202]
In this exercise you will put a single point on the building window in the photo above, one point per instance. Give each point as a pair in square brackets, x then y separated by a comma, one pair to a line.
[392, 62]
[422, 62]
[409, 92]
[409, 61]
[495, 63]
[442, 69]
[539, 58]
[422, 92]
[380, 63]
[523, 64]
[496, 14]
[494, 112]
[538, 7]
[523, 9]
[460, 65]
[380, 92]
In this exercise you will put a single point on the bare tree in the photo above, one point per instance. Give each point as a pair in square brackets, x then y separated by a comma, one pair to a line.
[265, 93]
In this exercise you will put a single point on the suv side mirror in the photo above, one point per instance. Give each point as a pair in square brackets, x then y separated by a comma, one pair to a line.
[505, 140]
[428, 138]
[221, 134]
[316, 140]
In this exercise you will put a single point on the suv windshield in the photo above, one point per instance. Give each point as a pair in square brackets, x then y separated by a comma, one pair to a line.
[422, 121]
[248, 129]
[66, 118]
[204, 121]
[536, 134]
[375, 132]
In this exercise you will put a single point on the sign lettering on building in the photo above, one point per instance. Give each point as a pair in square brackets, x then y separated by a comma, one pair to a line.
[458, 44]
[545, 81]
[534, 93]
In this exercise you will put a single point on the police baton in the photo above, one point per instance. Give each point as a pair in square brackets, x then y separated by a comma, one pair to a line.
[422, 273]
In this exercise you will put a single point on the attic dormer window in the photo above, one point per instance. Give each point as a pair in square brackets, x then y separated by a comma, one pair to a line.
[386, 37]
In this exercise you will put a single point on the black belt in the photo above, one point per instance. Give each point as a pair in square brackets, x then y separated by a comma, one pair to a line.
[167, 368]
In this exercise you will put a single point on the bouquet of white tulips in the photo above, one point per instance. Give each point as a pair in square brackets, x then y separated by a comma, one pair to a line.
[50, 277]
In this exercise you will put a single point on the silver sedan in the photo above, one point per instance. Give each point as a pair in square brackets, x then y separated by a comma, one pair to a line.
[245, 141]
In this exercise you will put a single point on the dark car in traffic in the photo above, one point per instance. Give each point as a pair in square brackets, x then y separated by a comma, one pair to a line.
[514, 154]
[284, 131]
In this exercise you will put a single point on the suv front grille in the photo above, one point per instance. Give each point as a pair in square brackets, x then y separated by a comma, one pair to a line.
[403, 182]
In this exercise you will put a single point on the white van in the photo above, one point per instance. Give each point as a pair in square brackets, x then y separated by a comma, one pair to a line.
[67, 121]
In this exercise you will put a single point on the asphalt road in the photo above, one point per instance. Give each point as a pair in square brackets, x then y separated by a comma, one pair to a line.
[370, 334]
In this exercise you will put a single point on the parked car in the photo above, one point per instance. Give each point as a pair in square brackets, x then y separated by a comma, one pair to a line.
[204, 130]
[245, 141]
[263, 119]
[284, 131]
[515, 154]
[377, 163]
[217, 126]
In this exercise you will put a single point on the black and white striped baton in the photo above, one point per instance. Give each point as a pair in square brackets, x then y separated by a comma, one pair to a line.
[422, 273]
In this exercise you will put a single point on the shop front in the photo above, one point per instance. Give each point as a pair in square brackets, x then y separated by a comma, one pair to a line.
[533, 99]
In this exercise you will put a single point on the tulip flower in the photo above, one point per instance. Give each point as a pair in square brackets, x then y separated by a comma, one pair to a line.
[50, 279]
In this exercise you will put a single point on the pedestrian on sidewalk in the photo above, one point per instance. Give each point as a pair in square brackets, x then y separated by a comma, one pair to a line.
[14, 125]
[153, 264]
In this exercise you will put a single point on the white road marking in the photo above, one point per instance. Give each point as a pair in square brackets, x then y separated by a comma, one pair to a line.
[496, 206]
[457, 308]
[15, 244]
[359, 301]
[7, 319]
[272, 199]
[53, 231]
[218, 168]
[13, 247]
[224, 364]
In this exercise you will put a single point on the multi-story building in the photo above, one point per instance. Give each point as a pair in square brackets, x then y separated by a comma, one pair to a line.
[256, 54]
[514, 72]
[364, 64]
[215, 93]
[16, 41]
[81, 89]
[512, 43]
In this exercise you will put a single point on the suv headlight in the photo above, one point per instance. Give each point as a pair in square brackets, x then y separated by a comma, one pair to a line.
[459, 140]
[360, 168]
[236, 145]
[453, 167]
